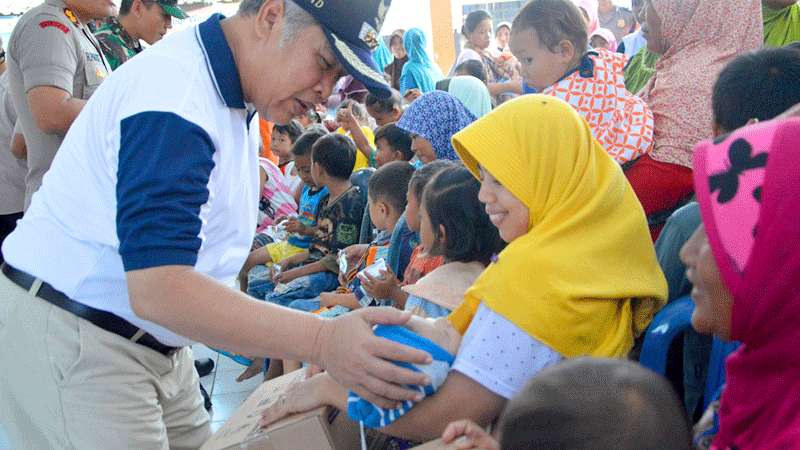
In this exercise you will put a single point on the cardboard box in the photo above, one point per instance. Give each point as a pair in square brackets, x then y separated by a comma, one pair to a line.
[324, 428]
[436, 445]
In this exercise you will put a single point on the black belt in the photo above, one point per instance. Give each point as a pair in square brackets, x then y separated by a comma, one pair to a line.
[103, 319]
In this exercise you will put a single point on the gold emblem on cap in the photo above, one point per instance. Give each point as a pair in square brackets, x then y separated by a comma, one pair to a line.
[369, 36]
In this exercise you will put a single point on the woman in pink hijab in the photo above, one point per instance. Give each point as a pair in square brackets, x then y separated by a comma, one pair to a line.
[603, 38]
[589, 10]
[696, 39]
[744, 263]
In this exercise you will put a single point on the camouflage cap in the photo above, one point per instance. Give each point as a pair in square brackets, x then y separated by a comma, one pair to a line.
[171, 7]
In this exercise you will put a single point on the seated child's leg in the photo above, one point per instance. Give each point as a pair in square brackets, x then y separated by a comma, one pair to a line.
[310, 305]
[260, 240]
[274, 370]
[252, 370]
[259, 282]
[291, 366]
[309, 286]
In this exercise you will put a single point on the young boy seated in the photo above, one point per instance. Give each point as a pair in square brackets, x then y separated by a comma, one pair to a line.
[338, 223]
[393, 144]
[387, 202]
[283, 138]
[585, 403]
[295, 250]
[385, 110]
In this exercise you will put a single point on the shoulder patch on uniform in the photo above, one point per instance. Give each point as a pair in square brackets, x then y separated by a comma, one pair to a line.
[52, 23]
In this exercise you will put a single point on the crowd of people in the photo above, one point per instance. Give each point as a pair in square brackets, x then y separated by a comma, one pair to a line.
[301, 193]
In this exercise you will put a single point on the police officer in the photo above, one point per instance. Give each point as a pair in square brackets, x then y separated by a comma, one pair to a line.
[617, 19]
[55, 65]
[127, 253]
[146, 20]
[12, 169]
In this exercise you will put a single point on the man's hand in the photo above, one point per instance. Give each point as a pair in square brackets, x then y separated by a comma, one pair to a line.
[382, 287]
[466, 434]
[351, 353]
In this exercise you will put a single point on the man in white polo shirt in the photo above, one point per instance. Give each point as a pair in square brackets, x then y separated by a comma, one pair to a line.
[147, 212]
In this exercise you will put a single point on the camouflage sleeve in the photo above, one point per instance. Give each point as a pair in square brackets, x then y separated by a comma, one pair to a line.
[112, 49]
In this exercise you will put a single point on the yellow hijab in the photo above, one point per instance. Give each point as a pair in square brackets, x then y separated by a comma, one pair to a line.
[585, 279]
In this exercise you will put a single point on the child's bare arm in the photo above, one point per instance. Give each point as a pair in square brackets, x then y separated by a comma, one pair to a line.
[347, 300]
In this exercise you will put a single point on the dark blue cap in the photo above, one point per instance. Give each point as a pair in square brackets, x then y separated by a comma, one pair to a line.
[352, 28]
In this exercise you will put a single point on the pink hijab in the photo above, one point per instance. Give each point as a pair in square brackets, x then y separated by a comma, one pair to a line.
[590, 6]
[703, 35]
[606, 34]
[749, 195]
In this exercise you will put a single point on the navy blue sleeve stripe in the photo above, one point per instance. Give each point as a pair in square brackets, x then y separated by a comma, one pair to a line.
[162, 182]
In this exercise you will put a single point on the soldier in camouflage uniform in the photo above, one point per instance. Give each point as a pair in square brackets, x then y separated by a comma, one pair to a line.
[146, 20]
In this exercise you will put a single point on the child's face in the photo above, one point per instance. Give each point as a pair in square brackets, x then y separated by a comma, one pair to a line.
[379, 213]
[412, 210]
[713, 301]
[423, 149]
[316, 174]
[281, 145]
[540, 66]
[503, 35]
[506, 212]
[600, 42]
[427, 236]
[386, 153]
[303, 166]
[384, 118]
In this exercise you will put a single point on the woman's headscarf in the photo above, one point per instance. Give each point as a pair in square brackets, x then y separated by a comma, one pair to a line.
[437, 116]
[703, 36]
[640, 70]
[590, 6]
[749, 195]
[419, 72]
[781, 26]
[472, 93]
[382, 55]
[606, 34]
[584, 280]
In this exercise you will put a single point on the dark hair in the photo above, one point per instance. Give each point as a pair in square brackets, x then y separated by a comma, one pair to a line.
[473, 68]
[336, 153]
[451, 201]
[473, 20]
[757, 85]
[793, 46]
[293, 129]
[302, 146]
[554, 21]
[397, 138]
[595, 403]
[424, 174]
[126, 5]
[390, 184]
[396, 34]
[384, 105]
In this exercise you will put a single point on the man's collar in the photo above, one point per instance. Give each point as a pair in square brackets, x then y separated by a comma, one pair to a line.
[221, 64]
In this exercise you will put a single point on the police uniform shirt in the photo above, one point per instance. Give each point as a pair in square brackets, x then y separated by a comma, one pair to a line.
[619, 21]
[12, 170]
[160, 168]
[50, 47]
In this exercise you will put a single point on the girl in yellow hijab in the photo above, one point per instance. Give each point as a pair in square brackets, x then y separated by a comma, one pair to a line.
[580, 271]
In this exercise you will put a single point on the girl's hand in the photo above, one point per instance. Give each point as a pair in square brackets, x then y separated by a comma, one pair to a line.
[299, 397]
[294, 225]
[466, 434]
[380, 288]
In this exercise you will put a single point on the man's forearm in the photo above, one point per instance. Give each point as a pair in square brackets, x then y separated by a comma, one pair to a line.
[199, 308]
[53, 109]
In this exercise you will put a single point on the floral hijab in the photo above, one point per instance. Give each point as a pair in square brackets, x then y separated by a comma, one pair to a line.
[437, 116]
